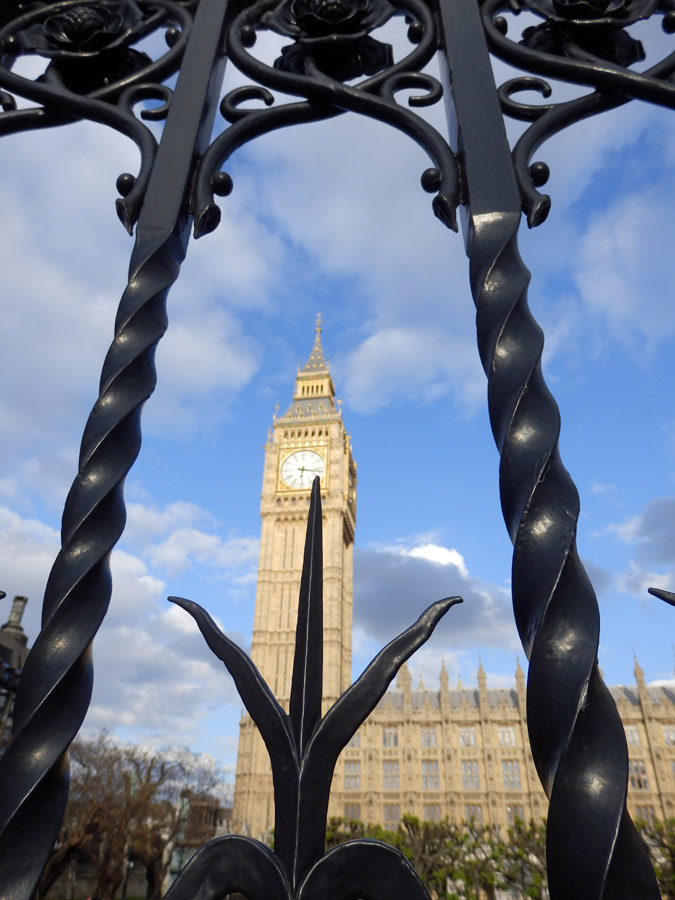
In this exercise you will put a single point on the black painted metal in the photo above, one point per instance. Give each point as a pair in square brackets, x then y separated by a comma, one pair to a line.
[304, 748]
[327, 97]
[95, 72]
[55, 687]
[577, 738]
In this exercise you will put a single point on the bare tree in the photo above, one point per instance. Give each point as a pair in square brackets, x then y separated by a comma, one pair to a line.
[127, 803]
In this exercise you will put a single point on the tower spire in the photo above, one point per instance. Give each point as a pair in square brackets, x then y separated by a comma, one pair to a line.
[314, 394]
[316, 364]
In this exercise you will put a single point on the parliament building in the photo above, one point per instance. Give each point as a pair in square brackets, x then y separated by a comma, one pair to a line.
[458, 753]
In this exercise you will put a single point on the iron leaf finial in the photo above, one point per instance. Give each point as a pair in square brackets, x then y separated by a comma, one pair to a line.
[304, 747]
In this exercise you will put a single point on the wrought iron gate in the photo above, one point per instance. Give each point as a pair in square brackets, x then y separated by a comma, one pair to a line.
[333, 63]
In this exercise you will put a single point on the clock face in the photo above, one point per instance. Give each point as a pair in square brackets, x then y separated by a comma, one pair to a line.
[300, 469]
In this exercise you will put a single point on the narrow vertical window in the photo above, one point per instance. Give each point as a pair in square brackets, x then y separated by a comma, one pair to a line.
[390, 777]
[352, 775]
[390, 737]
[511, 774]
[430, 775]
[638, 775]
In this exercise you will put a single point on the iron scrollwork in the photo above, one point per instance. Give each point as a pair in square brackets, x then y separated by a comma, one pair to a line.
[332, 44]
[95, 73]
[582, 42]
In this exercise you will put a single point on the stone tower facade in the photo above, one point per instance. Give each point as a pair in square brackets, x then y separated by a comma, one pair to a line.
[459, 753]
[463, 753]
[309, 439]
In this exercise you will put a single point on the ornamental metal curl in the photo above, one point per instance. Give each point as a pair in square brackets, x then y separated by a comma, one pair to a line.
[582, 43]
[95, 74]
[310, 69]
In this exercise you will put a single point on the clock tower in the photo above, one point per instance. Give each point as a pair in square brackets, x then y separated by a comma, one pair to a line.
[309, 439]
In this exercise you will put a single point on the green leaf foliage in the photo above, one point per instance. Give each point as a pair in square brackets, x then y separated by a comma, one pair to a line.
[660, 839]
[468, 861]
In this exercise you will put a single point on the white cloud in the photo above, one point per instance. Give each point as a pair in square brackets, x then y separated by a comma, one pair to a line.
[145, 522]
[202, 363]
[626, 531]
[652, 531]
[152, 690]
[155, 678]
[29, 548]
[188, 546]
[616, 274]
[412, 362]
[444, 556]
[393, 585]
[636, 580]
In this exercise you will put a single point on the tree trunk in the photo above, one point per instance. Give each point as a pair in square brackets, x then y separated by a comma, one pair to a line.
[154, 877]
[110, 878]
[56, 865]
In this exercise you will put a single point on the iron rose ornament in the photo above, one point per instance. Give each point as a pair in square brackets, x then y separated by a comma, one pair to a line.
[334, 33]
[87, 43]
[588, 28]
[87, 30]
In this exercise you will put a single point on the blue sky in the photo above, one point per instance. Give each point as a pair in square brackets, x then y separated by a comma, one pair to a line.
[332, 219]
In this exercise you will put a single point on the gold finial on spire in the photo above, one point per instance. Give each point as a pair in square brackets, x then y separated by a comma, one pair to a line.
[318, 323]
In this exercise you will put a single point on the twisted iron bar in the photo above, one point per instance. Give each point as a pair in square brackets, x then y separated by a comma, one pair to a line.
[578, 742]
[56, 683]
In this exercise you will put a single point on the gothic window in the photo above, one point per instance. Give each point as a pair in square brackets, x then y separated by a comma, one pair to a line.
[390, 781]
[353, 811]
[507, 736]
[473, 813]
[638, 775]
[669, 734]
[352, 775]
[392, 813]
[390, 737]
[429, 775]
[470, 780]
[511, 773]
[467, 737]
[632, 735]
[514, 811]
[356, 740]
[432, 812]
[646, 813]
[428, 737]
